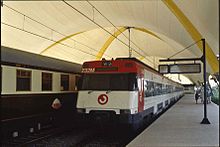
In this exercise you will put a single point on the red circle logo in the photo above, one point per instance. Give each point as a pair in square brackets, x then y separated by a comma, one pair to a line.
[102, 99]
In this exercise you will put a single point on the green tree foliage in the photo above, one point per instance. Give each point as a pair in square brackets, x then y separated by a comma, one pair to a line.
[215, 96]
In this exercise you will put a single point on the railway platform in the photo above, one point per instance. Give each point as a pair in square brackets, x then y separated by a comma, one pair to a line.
[180, 126]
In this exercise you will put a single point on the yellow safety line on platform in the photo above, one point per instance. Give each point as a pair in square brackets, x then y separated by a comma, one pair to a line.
[59, 41]
[109, 41]
[212, 59]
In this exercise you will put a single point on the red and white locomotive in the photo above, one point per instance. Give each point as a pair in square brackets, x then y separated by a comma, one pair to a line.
[124, 90]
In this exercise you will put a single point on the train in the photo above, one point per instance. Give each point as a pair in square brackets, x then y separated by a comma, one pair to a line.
[123, 90]
[30, 83]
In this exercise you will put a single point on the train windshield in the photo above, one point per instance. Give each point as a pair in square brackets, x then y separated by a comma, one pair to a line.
[125, 81]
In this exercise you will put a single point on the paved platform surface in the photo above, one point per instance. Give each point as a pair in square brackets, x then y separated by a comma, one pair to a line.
[180, 127]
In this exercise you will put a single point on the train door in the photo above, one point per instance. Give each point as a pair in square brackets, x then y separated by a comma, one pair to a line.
[140, 94]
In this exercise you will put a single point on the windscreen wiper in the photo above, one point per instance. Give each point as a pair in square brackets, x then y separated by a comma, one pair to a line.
[108, 91]
[90, 91]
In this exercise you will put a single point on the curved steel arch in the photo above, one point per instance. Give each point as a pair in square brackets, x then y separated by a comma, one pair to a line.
[57, 42]
[116, 34]
[109, 41]
[148, 32]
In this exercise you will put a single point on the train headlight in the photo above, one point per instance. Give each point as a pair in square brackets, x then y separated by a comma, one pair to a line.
[81, 110]
[125, 111]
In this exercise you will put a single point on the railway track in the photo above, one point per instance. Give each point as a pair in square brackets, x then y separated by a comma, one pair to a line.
[22, 131]
[59, 138]
[79, 135]
[108, 136]
[30, 139]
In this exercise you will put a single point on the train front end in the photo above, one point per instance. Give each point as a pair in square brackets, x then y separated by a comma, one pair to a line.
[108, 91]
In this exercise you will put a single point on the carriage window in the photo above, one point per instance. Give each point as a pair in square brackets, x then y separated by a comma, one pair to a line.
[64, 82]
[164, 89]
[46, 81]
[78, 82]
[148, 88]
[157, 88]
[23, 80]
[169, 89]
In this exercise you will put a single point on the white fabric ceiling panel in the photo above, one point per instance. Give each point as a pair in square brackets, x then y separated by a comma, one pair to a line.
[154, 16]
[54, 14]
[117, 49]
[205, 16]
[179, 78]
[15, 39]
[12, 17]
[66, 53]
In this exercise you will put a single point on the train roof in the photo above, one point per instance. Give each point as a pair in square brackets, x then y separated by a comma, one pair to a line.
[136, 60]
[145, 65]
[11, 56]
[152, 69]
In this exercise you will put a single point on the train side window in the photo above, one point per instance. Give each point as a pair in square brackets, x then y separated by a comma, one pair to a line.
[155, 89]
[148, 88]
[23, 80]
[164, 88]
[78, 82]
[64, 82]
[159, 86]
[169, 89]
[145, 88]
[46, 81]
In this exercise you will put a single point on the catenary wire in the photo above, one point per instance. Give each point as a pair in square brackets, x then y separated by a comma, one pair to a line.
[52, 29]
[184, 49]
[46, 38]
[116, 27]
[101, 27]
[131, 27]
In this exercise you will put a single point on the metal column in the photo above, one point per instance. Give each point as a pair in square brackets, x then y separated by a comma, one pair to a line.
[205, 119]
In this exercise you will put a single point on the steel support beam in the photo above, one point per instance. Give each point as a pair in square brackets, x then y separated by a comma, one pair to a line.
[109, 41]
[117, 33]
[180, 59]
[148, 32]
[59, 41]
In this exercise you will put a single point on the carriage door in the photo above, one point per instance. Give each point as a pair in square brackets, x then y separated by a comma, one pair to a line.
[140, 94]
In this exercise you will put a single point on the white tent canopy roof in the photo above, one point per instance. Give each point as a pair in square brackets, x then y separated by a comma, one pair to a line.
[158, 30]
